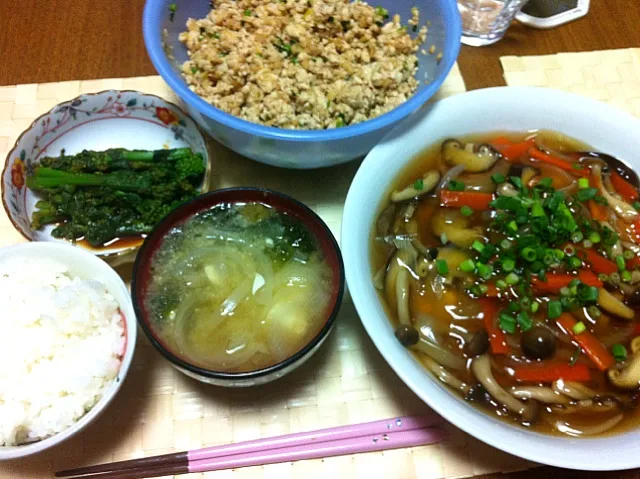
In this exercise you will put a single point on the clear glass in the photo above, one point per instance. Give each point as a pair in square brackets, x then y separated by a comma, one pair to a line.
[486, 21]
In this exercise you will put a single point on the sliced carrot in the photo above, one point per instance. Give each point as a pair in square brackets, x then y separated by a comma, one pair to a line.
[513, 151]
[599, 263]
[497, 337]
[548, 372]
[588, 342]
[624, 188]
[598, 211]
[633, 263]
[472, 199]
[554, 282]
[536, 154]
[492, 289]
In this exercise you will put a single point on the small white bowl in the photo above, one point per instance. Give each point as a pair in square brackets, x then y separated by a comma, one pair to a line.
[84, 265]
[94, 121]
[498, 109]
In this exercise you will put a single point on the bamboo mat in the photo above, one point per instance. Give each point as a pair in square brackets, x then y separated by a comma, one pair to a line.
[159, 410]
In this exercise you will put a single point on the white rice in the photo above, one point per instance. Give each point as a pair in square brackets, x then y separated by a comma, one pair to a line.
[60, 345]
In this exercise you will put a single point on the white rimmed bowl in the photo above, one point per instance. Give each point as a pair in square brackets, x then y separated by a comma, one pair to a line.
[507, 109]
[94, 121]
[87, 266]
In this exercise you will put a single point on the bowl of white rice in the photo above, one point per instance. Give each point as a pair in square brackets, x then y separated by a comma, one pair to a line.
[68, 336]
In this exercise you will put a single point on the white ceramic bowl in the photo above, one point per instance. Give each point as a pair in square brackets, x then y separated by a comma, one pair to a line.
[94, 121]
[516, 109]
[85, 265]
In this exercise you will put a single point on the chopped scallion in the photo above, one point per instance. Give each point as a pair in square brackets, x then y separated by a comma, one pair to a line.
[594, 237]
[442, 267]
[507, 323]
[505, 244]
[512, 279]
[455, 185]
[529, 254]
[628, 254]
[535, 306]
[574, 262]
[478, 246]
[501, 284]
[467, 266]
[620, 262]
[466, 211]
[577, 236]
[524, 321]
[626, 276]
[508, 265]
[419, 184]
[498, 178]
[583, 183]
[484, 270]
[586, 194]
[619, 352]
[579, 328]
[554, 309]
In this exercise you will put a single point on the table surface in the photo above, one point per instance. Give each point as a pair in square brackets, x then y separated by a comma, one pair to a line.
[56, 40]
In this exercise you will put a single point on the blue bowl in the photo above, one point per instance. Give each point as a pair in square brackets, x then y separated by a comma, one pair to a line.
[299, 148]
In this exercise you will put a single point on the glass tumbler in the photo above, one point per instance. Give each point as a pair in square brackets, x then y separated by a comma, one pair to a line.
[486, 21]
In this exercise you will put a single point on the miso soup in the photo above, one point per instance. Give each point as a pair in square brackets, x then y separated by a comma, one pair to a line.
[238, 288]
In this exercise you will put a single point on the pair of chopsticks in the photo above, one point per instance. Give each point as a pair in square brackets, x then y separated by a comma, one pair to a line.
[366, 437]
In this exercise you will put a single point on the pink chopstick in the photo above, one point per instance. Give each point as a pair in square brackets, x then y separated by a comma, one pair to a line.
[370, 443]
[377, 435]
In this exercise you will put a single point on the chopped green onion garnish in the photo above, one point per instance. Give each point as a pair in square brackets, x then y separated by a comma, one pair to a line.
[537, 210]
[513, 226]
[577, 166]
[575, 263]
[512, 279]
[594, 237]
[564, 291]
[626, 276]
[516, 181]
[619, 352]
[545, 182]
[419, 184]
[507, 323]
[247, 13]
[505, 244]
[466, 211]
[442, 267]
[628, 254]
[535, 306]
[594, 311]
[478, 246]
[586, 194]
[508, 265]
[498, 178]
[524, 321]
[456, 185]
[579, 328]
[483, 288]
[587, 294]
[529, 254]
[484, 271]
[525, 302]
[636, 205]
[467, 266]
[514, 307]
[587, 243]
[577, 236]
[620, 262]
[583, 183]
[501, 284]
[554, 309]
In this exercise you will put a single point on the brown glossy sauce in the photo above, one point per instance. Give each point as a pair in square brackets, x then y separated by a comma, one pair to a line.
[454, 308]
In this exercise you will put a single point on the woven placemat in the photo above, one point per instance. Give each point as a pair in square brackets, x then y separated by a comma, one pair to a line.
[611, 76]
[159, 410]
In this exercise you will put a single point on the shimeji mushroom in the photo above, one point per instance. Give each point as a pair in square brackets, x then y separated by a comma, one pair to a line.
[475, 158]
[481, 368]
[422, 186]
[628, 377]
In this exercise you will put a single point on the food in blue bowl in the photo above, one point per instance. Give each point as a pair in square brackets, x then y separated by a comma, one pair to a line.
[298, 85]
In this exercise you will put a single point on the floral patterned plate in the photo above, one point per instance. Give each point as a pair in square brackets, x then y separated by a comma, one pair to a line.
[95, 121]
